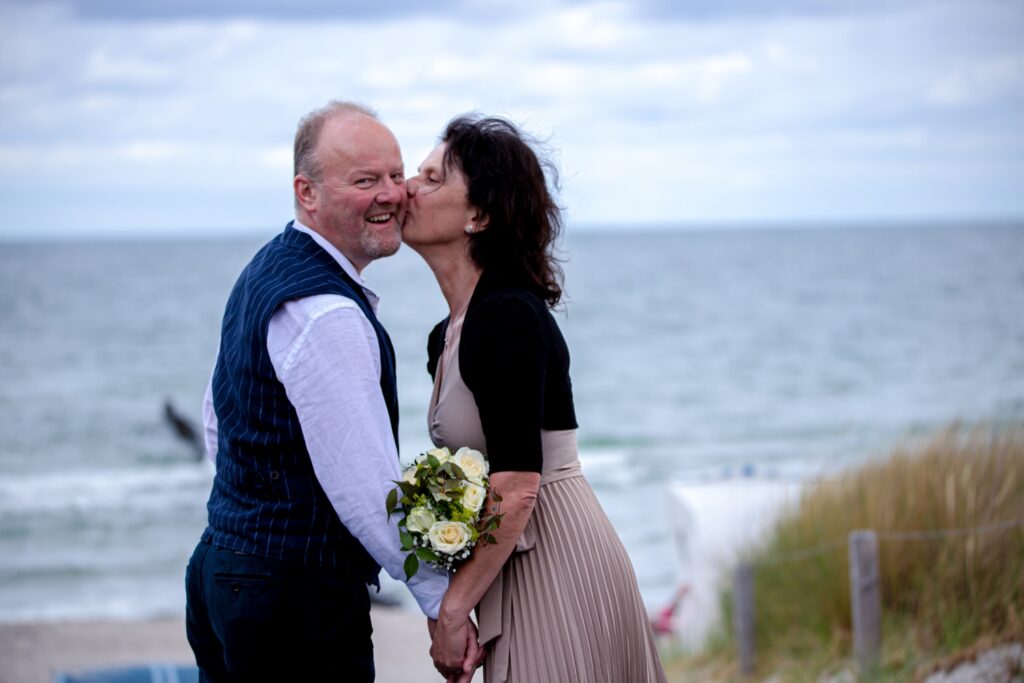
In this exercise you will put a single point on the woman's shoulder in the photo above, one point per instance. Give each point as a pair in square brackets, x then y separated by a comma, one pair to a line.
[506, 308]
[511, 296]
[499, 294]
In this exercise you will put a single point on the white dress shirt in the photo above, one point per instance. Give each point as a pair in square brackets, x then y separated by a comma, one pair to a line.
[326, 354]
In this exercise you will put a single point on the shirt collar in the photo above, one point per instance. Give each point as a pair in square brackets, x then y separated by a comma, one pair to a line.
[342, 260]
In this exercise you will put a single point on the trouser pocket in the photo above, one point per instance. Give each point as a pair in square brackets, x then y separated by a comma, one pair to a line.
[237, 581]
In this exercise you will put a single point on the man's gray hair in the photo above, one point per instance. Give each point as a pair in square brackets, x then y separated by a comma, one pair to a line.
[308, 134]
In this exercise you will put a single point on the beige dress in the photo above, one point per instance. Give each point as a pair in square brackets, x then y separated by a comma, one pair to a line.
[565, 607]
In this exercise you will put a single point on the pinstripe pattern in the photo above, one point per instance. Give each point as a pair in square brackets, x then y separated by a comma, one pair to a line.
[266, 499]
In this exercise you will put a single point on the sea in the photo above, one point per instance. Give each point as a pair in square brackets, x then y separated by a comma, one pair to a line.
[697, 355]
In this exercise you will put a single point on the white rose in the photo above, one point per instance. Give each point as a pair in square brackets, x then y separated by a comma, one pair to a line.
[448, 537]
[473, 497]
[409, 475]
[420, 519]
[443, 455]
[472, 463]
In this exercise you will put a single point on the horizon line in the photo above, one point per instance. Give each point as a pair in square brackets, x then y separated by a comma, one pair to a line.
[569, 228]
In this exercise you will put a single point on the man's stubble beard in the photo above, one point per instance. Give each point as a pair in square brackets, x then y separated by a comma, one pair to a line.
[379, 246]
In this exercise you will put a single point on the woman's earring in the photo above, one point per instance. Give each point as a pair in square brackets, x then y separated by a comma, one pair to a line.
[469, 229]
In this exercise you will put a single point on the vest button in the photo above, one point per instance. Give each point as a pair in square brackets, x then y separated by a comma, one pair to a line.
[275, 475]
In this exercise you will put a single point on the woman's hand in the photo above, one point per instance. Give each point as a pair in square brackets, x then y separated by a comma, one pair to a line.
[475, 654]
[455, 649]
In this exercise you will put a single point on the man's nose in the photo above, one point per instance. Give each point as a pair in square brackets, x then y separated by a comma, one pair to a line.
[391, 193]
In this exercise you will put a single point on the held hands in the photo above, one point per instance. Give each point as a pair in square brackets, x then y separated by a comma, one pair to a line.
[455, 649]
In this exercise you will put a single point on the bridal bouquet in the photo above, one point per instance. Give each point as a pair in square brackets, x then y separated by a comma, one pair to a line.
[442, 497]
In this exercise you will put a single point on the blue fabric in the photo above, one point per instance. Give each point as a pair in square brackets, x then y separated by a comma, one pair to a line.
[149, 673]
[251, 619]
[266, 500]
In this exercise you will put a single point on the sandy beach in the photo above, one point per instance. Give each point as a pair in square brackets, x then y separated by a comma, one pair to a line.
[32, 652]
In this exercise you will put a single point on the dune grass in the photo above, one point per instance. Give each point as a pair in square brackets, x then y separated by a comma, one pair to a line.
[940, 596]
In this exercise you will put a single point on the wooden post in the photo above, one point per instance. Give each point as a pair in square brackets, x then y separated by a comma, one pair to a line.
[865, 601]
[743, 616]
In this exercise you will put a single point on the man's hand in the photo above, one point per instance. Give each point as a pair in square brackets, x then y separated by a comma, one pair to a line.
[455, 650]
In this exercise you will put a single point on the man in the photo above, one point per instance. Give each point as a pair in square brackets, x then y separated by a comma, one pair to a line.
[302, 420]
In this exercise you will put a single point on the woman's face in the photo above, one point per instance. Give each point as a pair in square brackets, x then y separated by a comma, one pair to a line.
[438, 208]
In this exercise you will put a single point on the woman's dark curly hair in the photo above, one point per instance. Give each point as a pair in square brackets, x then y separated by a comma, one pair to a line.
[505, 179]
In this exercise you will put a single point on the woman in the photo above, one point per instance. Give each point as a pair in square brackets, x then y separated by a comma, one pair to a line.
[556, 595]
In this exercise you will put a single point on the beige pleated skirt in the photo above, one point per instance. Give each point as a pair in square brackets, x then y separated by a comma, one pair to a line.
[565, 607]
[566, 604]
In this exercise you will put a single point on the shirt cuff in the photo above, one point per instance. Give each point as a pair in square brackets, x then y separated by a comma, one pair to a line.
[428, 587]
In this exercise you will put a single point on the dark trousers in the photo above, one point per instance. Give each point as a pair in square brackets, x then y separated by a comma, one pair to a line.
[251, 618]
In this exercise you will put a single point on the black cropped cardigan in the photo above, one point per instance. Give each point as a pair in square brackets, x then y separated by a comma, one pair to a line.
[513, 358]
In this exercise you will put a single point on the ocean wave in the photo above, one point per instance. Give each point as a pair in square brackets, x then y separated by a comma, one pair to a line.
[136, 488]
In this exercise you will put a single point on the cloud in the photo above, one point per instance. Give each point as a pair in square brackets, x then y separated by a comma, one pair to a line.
[351, 10]
[980, 81]
[163, 10]
[105, 69]
[656, 112]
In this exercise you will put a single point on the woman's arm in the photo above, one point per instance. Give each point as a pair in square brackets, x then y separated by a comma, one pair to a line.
[503, 359]
[467, 586]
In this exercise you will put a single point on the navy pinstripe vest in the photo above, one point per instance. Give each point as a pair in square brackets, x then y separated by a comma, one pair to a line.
[266, 499]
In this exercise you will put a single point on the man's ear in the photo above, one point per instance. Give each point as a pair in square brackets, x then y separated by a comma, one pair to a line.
[305, 192]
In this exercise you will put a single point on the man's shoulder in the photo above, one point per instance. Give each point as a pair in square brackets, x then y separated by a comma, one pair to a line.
[318, 306]
[296, 269]
[287, 245]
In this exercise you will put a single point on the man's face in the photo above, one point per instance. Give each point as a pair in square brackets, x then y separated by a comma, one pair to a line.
[360, 198]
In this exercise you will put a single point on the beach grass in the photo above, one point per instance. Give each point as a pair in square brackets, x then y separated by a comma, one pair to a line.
[954, 583]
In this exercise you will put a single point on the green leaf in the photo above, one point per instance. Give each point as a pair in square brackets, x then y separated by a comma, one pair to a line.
[406, 539]
[392, 502]
[455, 470]
[495, 496]
[412, 565]
[427, 554]
[487, 538]
[433, 462]
[407, 488]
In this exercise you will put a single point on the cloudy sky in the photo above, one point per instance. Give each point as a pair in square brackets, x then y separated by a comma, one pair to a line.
[147, 117]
